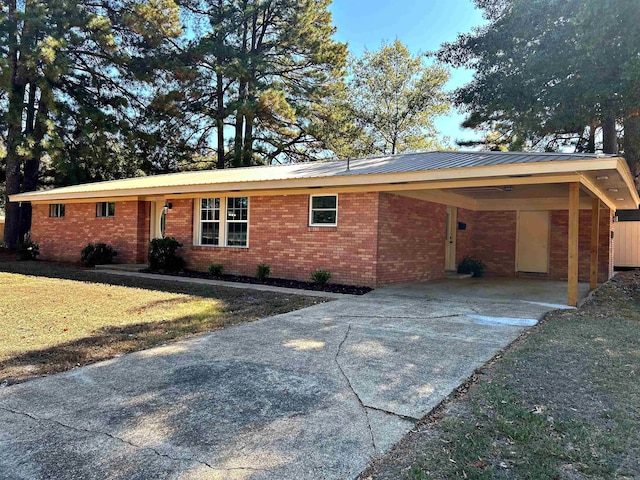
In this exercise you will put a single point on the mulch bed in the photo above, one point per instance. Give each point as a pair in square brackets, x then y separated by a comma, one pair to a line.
[275, 282]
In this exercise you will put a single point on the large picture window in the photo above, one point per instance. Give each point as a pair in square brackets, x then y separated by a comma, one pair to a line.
[323, 211]
[223, 221]
[210, 221]
[237, 221]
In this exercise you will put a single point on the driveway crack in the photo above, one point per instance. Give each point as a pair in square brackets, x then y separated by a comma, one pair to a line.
[122, 440]
[362, 405]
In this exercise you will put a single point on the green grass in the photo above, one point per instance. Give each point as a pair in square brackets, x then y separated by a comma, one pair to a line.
[562, 402]
[54, 317]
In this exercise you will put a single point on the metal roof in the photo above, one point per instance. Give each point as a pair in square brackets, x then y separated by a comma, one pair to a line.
[402, 163]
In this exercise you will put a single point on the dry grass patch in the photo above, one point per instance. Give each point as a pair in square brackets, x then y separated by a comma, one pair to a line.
[54, 324]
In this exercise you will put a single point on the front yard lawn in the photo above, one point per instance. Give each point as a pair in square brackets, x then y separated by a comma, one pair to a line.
[55, 317]
[563, 402]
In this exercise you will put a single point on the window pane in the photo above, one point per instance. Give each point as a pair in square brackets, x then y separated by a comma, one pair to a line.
[62, 210]
[237, 208]
[210, 234]
[112, 209]
[324, 202]
[100, 209]
[236, 234]
[328, 216]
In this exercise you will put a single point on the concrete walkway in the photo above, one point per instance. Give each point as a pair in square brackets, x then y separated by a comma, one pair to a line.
[312, 394]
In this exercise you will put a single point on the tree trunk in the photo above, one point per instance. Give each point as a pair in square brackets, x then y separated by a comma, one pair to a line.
[591, 144]
[14, 132]
[220, 120]
[242, 97]
[632, 146]
[609, 136]
[247, 148]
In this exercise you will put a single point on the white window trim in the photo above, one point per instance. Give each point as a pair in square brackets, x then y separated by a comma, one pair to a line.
[57, 207]
[107, 211]
[311, 197]
[222, 241]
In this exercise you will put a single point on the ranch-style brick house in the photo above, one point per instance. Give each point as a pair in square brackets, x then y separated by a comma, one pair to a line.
[373, 222]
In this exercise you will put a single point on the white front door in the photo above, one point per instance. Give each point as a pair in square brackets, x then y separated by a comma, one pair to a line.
[533, 242]
[450, 238]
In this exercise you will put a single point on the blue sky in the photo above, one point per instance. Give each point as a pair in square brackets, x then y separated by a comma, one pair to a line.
[422, 25]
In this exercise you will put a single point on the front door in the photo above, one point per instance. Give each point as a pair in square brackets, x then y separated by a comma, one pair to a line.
[450, 239]
[533, 242]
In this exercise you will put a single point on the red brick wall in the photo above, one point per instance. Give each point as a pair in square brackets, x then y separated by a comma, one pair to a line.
[279, 234]
[411, 245]
[494, 241]
[558, 263]
[465, 238]
[64, 238]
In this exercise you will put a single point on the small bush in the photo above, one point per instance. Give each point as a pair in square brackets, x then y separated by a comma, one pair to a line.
[97, 254]
[27, 250]
[263, 271]
[162, 255]
[216, 269]
[320, 277]
[471, 265]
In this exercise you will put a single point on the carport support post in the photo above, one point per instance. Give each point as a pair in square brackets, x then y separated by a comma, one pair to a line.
[574, 212]
[595, 230]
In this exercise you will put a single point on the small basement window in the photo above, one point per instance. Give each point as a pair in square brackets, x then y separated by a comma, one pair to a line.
[56, 210]
[323, 211]
[105, 209]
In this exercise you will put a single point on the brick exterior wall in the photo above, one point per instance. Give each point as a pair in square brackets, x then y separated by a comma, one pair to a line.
[280, 235]
[494, 241]
[558, 261]
[491, 237]
[411, 240]
[64, 238]
[380, 239]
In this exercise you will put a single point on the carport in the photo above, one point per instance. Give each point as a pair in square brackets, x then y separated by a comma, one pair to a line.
[551, 219]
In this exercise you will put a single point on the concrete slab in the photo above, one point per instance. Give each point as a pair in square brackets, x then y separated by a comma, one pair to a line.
[312, 394]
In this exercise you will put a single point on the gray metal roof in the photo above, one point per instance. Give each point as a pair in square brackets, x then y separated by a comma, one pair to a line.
[403, 163]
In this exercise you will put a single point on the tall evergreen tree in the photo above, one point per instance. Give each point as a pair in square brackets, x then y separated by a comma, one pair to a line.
[554, 73]
[73, 77]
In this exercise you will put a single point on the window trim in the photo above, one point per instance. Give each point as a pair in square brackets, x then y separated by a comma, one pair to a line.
[107, 210]
[311, 209]
[222, 240]
[57, 208]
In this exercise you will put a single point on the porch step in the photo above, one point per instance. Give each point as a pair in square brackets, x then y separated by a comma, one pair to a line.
[453, 275]
[124, 267]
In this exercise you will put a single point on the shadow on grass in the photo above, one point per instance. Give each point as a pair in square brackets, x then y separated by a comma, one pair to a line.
[111, 341]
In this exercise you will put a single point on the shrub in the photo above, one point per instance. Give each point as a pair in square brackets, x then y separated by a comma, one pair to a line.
[216, 269]
[97, 254]
[263, 271]
[162, 255]
[471, 265]
[320, 277]
[27, 250]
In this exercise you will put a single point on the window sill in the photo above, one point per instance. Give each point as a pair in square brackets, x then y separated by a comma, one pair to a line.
[208, 247]
[323, 228]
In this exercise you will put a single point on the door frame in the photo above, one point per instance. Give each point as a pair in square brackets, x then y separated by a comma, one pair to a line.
[517, 249]
[451, 230]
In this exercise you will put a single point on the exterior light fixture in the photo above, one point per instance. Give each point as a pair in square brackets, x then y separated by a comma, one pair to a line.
[613, 189]
[507, 188]
[167, 206]
[619, 199]
[602, 177]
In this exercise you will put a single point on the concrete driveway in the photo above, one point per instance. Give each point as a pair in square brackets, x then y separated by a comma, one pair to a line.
[313, 394]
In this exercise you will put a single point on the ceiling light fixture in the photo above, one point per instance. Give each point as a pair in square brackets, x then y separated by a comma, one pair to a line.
[613, 189]
[619, 199]
[602, 177]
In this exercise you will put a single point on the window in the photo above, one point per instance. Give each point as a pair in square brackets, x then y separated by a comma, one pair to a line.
[56, 210]
[223, 222]
[323, 211]
[210, 221]
[237, 221]
[105, 209]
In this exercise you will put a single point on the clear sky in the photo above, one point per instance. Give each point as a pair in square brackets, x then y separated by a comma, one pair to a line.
[422, 25]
